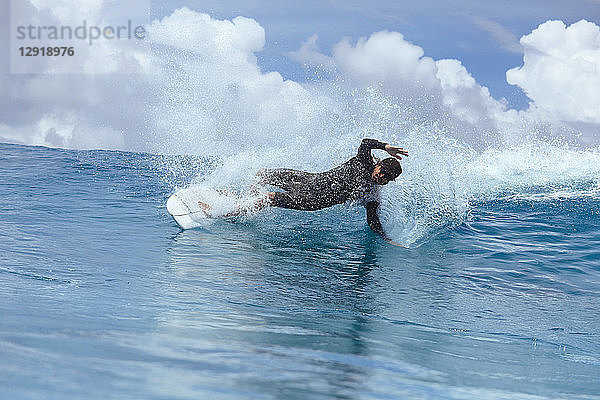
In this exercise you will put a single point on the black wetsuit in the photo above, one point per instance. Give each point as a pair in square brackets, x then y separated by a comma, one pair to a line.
[351, 181]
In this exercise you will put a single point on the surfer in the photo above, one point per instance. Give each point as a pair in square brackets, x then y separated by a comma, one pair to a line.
[358, 179]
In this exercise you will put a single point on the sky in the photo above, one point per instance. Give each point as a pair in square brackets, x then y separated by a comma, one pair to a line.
[483, 34]
[249, 72]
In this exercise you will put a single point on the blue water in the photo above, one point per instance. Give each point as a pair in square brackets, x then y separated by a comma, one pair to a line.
[103, 296]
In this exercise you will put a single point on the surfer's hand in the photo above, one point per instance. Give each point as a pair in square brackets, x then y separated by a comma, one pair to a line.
[395, 151]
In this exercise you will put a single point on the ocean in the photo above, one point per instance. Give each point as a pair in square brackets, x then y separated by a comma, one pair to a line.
[103, 296]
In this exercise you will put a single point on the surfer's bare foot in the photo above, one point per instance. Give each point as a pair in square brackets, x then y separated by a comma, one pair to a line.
[261, 203]
[203, 206]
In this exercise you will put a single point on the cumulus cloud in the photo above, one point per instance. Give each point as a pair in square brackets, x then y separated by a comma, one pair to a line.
[93, 108]
[233, 42]
[214, 89]
[428, 91]
[561, 75]
[469, 101]
[309, 54]
[200, 84]
[561, 71]
[387, 58]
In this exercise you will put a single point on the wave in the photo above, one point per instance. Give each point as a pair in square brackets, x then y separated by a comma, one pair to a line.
[444, 182]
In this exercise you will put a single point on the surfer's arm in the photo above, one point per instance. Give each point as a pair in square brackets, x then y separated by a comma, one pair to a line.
[375, 224]
[364, 151]
[373, 219]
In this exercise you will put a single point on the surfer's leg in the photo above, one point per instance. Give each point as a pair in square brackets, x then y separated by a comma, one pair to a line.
[205, 208]
[290, 200]
[262, 203]
[294, 201]
[284, 178]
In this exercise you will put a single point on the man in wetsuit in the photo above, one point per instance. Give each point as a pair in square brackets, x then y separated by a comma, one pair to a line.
[355, 180]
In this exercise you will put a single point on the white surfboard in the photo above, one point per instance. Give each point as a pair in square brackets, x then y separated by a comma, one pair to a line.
[196, 206]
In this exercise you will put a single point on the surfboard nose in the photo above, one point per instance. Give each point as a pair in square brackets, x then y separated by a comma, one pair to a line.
[180, 212]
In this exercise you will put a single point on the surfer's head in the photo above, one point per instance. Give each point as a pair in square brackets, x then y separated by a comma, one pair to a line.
[386, 170]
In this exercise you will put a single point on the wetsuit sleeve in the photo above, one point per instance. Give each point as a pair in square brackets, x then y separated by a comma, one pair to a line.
[373, 219]
[364, 151]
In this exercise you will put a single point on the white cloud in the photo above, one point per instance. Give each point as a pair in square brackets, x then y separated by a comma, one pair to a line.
[427, 91]
[309, 54]
[211, 88]
[232, 41]
[468, 100]
[561, 74]
[561, 71]
[202, 86]
[387, 58]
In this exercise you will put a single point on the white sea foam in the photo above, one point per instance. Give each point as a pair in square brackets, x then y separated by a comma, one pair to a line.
[442, 181]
